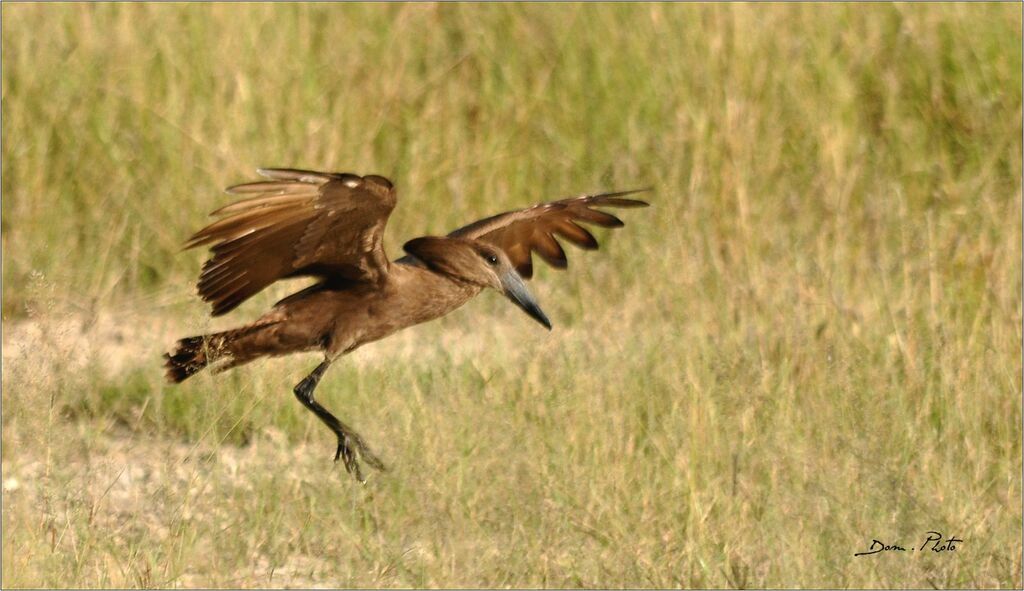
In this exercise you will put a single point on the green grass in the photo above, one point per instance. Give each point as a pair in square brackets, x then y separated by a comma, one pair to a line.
[812, 339]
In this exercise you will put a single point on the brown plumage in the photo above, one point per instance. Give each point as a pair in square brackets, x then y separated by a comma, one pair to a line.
[330, 226]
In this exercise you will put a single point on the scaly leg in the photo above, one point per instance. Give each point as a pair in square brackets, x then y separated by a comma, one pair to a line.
[348, 440]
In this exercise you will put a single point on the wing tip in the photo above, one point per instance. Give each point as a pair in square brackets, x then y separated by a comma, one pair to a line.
[646, 189]
[294, 174]
[615, 198]
[273, 172]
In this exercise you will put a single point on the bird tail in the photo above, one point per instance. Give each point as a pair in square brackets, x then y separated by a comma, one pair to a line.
[192, 354]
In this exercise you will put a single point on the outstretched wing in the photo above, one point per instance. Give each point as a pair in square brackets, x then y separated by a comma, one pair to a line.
[534, 229]
[299, 222]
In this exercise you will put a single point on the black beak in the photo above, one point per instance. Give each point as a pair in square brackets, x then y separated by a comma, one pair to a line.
[516, 291]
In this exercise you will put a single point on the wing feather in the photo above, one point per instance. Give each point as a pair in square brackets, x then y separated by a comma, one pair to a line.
[576, 234]
[301, 222]
[296, 195]
[550, 250]
[534, 229]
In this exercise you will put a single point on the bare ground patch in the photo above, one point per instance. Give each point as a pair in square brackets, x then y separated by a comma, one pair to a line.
[132, 490]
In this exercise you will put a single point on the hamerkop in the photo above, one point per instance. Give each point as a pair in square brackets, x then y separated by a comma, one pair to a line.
[329, 226]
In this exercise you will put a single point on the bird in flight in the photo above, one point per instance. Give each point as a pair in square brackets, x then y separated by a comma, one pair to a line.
[330, 226]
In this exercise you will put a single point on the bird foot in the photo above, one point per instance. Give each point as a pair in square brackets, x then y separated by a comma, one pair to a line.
[349, 443]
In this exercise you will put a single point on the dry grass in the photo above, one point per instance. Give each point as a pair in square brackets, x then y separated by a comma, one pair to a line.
[813, 339]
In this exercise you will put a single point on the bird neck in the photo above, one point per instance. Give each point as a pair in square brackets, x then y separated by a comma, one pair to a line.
[427, 294]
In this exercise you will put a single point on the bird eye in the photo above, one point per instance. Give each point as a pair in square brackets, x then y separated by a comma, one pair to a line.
[492, 260]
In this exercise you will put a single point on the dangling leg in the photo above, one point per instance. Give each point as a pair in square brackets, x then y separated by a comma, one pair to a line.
[348, 440]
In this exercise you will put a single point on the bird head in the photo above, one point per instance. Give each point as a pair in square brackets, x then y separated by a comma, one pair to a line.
[477, 263]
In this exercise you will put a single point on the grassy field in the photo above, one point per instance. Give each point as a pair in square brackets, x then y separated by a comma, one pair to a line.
[810, 341]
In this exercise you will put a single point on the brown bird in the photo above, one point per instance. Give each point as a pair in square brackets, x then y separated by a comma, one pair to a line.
[329, 226]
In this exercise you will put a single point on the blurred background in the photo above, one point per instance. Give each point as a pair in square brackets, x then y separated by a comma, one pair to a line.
[811, 340]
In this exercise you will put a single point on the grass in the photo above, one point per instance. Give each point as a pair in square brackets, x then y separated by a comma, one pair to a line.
[812, 339]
